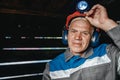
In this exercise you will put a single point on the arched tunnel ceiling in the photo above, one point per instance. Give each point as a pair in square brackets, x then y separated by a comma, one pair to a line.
[53, 8]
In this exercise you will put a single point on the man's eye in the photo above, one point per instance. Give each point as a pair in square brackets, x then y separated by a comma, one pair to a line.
[85, 33]
[73, 31]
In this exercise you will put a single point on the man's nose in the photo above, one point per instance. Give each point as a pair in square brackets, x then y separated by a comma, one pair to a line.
[78, 36]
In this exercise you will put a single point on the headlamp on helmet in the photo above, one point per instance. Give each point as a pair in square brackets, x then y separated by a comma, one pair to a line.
[82, 6]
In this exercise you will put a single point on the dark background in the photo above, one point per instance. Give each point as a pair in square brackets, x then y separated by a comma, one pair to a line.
[23, 20]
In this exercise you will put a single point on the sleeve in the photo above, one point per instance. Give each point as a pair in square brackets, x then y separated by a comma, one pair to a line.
[114, 34]
[46, 75]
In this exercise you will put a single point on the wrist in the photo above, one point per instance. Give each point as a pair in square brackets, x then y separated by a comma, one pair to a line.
[109, 24]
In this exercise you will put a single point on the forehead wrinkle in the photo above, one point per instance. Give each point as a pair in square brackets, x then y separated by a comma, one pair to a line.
[85, 20]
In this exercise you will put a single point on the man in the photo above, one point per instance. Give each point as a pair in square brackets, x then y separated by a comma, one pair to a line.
[81, 61]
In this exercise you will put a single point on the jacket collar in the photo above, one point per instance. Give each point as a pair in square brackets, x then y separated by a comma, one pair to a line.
[86, 54]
